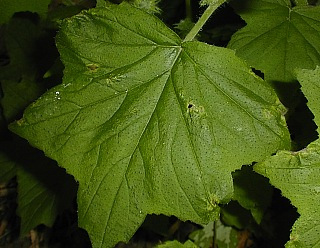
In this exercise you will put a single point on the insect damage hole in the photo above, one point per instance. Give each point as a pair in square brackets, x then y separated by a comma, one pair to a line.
[190, 105]
[92, 67]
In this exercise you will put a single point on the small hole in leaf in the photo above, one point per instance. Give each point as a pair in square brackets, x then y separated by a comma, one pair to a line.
[92, 67]
[190, 105]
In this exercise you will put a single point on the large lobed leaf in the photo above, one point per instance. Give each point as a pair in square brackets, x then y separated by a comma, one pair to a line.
[150, 124]
[297, 174]
[278, 38]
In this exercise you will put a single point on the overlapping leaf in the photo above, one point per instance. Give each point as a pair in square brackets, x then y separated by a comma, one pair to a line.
[248, 186]
[149, 124]
[278, 38]
[310, 82]
[44, 189]
[31, 53]
[297, 174]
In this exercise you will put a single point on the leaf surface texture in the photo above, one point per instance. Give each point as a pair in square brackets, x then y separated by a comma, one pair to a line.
[147, 123]
[297, 174]
[278, 38]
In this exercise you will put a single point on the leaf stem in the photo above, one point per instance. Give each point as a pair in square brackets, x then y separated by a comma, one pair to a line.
[188, 9]
[215, 234]
[203, 19]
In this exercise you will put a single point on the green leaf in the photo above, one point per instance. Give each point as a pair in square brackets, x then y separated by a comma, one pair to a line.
[203, 237]
[310, 82]
[30, 48]
[44, 192]
[297, 175]
[300, 2]
[31, 51]
[150, 6]
[147, 5]
[8, 168]
[147, 123]
[176, 244]
[44, 189]
[248, 186]
[21, 36]
[278, 38]
[233, 214]
[226, 237]
[9, 7]
[17, 96]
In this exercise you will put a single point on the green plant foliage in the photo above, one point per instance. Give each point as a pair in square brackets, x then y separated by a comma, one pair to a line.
[301, 2]
[233, 214]
[203, 237]
[30, 53]
[310, 82]
[248, 186]
[147, 123]
[150, 6]
[45, 190]
[18, 95]
[9, 7]
[278, 38]
[21, 36]
[184, 27]
[297, 175]
[224, 236]
[176, 244]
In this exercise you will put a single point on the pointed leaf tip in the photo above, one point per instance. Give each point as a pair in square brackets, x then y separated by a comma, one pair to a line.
[155, 125]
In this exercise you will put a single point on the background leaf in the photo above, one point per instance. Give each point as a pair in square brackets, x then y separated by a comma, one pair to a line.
[297, 175]
[148, 124]
[44, 189]
[248, 186]
[31, 53]
[278, 38]
[9, 7]
[176, 244]
[226, 236]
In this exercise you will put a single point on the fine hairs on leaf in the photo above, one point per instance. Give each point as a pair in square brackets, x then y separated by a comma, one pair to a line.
[135, 123]
[165, 139]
